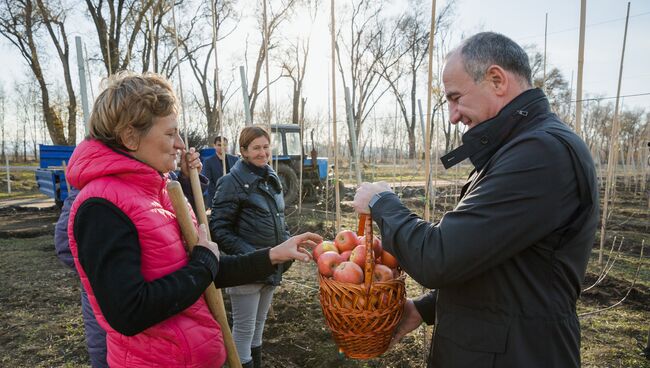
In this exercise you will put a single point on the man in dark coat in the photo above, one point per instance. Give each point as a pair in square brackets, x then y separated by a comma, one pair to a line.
[508, 262]
[213, 166]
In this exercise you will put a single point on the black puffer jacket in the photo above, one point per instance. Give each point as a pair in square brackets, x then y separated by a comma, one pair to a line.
[248, 214]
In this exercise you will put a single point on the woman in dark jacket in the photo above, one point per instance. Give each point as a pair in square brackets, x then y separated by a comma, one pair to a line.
[247, 215]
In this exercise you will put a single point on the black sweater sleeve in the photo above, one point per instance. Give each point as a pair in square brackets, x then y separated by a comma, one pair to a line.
[109, 253]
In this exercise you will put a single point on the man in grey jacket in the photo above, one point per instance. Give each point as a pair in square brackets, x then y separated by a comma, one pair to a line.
[508, 261]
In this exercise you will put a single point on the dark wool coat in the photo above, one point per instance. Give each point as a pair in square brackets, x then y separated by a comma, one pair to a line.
[508, 262]
[248, 214]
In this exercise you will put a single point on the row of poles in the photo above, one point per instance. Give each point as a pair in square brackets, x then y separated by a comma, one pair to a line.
[430, 201]
[216, 298]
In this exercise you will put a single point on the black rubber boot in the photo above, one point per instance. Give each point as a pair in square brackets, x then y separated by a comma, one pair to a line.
[256, 353]
[248, 365]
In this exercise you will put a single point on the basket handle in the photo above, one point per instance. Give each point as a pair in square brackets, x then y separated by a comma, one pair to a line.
[361, 229]
[365, 228]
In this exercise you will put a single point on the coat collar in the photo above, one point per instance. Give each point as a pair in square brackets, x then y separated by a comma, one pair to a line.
[248, 179]
[482, 141]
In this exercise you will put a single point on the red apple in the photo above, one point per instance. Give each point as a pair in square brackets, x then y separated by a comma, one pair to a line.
[346, 240]
[327, 262]
[325, 246]
[395, 273]
[346, 255]
[358, 255]
[382, 273]
[348, 272]
[376, 244]
[388, 260]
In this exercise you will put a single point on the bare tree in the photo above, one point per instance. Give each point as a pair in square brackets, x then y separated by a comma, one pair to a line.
[294, 65]
[595, 116]
[54, 16]
[118, 25]
[21, 22]
[3, 101]
[368, 42]
[155, 41]
[200, 51]
[154, 36]
[407, 57]
[23, 108]
[279, 12]
[633, 127]
[27, 111]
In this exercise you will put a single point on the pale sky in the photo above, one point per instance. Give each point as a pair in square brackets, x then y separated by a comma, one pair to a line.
[522, 20]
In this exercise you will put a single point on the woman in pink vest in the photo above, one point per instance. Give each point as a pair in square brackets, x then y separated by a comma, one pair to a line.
[144, 288]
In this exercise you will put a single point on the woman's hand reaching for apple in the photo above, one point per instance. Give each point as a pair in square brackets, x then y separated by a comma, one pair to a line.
[297, 247]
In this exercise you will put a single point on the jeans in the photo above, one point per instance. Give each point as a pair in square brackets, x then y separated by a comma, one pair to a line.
[250, 304]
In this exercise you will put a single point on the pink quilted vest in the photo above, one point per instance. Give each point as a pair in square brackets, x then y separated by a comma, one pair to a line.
[191, 338]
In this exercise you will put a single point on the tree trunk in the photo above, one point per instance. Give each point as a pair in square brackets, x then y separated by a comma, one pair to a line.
[256, 80]
[24, 142]
[52, 119]
[295, 114]
[72, 105]
[411, 144]
[411, 128]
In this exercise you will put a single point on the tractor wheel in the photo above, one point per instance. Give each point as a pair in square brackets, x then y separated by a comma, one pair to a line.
[289, 182]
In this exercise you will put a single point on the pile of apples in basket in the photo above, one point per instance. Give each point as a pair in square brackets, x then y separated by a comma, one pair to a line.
[344, 259]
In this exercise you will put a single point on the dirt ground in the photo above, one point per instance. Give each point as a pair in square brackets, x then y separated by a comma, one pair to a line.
[41, 325]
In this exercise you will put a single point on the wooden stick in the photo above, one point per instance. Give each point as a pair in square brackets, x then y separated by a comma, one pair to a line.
[213, 296]
[266, 68]
[427, 149]
[337, 194]
[369, 267]
[180, 78]
[217, 94]
[581, 61]
[610, 180]
[545, 37]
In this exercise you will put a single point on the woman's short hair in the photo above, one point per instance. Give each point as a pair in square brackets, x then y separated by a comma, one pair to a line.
[250, 133]
[130, 100]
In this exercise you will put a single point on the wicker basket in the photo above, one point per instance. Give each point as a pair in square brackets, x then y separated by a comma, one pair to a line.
[363, 317]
